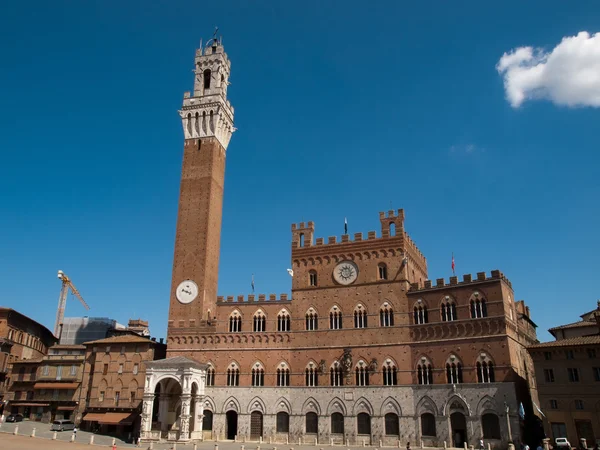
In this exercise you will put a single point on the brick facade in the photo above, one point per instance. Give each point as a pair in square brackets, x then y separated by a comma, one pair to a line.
[386, 343]
[21, 338]
[114, 382]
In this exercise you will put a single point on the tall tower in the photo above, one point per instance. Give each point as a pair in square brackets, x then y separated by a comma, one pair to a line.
[207, 118]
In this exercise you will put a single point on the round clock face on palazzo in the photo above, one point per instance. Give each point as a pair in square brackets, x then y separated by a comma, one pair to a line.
[187, 291]
[345, 272]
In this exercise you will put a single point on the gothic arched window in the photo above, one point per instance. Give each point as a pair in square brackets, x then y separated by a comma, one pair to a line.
[420, 313]
[362, 374]
[386, 315]
[258, 375]
[311, 375]
[233, 375]
[485, 369]
[235, 322]
[453, 370]
[259, 321]
[424, 371]
[448, 308]
[478, 306]
[360, 317]
[283, 320]
[336, 376]
[283, 375]
[335, 318]
[390, 373]
[311, 320]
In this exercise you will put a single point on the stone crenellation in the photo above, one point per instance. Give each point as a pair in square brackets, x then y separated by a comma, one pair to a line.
[302, 234]
[253, 298]
[453, 281]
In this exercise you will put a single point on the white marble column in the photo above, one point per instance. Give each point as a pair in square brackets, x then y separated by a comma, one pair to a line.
[198, 416]
[184, 419]
[147, 407]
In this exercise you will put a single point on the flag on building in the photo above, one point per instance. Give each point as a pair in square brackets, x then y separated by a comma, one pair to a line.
[252, 284]
[291, 272]
[453, 273]
[521, 411]
[345, 226]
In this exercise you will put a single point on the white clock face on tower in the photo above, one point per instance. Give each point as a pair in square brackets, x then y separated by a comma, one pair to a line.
[187, 291]
[345, 272]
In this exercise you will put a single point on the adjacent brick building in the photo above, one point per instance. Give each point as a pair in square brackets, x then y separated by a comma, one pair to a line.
[568, 374]
[21, 338]
[114, 382]
[366, 349]
[48, 388]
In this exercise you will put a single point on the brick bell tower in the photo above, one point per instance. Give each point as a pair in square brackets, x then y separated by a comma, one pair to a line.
[207, 118]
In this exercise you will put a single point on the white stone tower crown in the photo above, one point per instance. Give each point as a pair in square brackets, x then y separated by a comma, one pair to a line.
[208, 113]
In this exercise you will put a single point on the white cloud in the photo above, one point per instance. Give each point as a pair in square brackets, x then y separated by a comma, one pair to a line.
[568, 75]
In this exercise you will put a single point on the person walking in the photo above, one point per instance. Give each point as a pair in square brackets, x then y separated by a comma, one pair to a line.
[481, 445]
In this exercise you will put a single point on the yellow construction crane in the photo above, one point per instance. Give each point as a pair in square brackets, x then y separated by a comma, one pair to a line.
[62, 301]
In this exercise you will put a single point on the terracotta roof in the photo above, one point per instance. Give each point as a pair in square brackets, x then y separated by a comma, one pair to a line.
[25, 361]
[124, 339]
[581, 323]
[69, 346]
[176, 361]
[583, 340]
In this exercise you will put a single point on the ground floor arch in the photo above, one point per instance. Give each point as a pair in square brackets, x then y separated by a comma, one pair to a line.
[231, 424]
[256, 425]
[458, 427]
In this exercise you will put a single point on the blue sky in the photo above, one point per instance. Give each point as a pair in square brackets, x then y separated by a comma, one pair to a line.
[342, 109]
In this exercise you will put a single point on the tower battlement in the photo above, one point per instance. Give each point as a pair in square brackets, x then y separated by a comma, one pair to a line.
[392, 227]
[453, 281]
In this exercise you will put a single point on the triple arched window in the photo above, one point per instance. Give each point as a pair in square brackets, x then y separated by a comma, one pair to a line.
[454, 370]
[448, 308]
[424, 371]
[284, 321]
[420, 313]
[210, 375]
[361, 372]
[311, 320]
[258, 375]
[485, 370]
[233, 375]
[478, 306]
[311, 375]
[390, 373]
[336, 375]
[283, 375]
[335, 318]
[235, 322]
[360, 317]
[386, 315]
[259, 321]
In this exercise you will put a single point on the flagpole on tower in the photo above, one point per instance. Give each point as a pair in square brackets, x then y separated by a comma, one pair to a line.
[453, 272]
[345, 226]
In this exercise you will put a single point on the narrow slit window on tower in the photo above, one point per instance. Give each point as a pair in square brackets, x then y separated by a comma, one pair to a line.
[382, 271]
[392, 229]
[207, 77]
[312, 278]
[301, 239]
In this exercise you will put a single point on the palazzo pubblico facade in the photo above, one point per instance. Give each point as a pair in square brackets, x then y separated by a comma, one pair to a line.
[366, 350]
